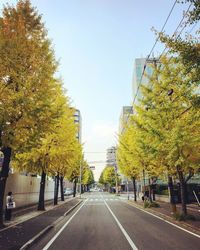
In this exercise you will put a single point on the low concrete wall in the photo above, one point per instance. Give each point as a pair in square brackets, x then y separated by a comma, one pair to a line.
[164, 198]
[25, 189]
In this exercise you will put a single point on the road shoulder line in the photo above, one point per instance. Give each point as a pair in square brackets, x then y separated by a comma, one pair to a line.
[160, 218]
[63, 227]
[131, 243]
[37, 237]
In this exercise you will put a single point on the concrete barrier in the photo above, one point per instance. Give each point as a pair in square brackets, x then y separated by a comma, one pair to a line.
[25, 189]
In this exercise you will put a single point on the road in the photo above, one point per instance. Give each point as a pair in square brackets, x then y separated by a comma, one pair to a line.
[104, 221]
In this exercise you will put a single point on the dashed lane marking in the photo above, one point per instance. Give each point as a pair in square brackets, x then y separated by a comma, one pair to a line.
[102, 199]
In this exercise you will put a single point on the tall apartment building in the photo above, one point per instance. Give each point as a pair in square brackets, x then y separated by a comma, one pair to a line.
[78, 122]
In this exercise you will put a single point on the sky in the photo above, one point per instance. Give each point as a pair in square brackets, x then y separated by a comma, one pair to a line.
[96, 43]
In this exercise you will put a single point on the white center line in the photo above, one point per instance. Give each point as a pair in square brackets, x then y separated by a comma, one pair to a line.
[63, 227]
[133, 246]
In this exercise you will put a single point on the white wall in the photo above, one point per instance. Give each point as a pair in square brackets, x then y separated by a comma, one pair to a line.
[25, 189]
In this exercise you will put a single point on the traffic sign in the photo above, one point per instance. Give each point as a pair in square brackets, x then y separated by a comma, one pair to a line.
[92, 167]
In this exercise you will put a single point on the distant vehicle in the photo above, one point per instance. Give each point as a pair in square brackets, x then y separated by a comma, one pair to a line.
[68, 191]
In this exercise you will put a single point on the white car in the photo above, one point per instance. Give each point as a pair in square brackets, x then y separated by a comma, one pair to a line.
[68, 191]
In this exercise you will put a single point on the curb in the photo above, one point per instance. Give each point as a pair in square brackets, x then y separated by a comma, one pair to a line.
[40, 212]
[168, 219]
[38, 236]
[28, 244]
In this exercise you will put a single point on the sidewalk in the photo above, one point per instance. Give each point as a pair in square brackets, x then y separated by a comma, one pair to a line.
[164, 211]
[24, 227]
[24, 213]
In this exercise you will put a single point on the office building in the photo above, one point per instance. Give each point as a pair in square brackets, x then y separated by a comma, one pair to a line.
[78, 122]
[138, 69]
[111, 158]
[126, 113]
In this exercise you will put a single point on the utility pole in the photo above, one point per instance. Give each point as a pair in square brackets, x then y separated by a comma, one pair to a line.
[116, 180]
[153, 60]
[127, 189]
[80, 178]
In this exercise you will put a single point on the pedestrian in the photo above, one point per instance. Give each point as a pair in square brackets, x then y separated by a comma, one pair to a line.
[10, 204]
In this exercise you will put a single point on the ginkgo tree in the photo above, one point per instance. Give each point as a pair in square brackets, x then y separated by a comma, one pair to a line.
[57, 148]
[27, 68]
[187, 46]
[88, 178]
[74, 168]
[126, 157]
[134, 154]
[169, 118]
[109, 177]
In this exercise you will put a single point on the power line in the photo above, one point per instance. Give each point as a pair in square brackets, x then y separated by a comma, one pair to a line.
[144, 68]
[145, 65]
[192, 28]
[153, 49]
[163, 27]
[179, 25]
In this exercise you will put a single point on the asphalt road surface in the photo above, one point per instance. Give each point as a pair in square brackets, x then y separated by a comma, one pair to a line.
[104, 221]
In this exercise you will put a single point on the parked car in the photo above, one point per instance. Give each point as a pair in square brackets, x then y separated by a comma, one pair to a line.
[68, 191]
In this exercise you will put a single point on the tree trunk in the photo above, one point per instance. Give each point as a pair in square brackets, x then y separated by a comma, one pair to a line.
[41, 205]
[56, 187]
[171, 194]
[150, 197]
[3, 178]
[61, 189]
[183, 194]
[153, 194]
[134, 189]
[74, 187]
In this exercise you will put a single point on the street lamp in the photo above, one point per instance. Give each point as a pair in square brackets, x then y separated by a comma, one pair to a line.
[80, 177]
[116, 179]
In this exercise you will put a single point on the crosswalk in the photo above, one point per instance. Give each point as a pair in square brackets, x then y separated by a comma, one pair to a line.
[102, 199]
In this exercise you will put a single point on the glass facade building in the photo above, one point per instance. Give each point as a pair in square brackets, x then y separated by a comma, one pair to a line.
[137, 74]
[125, 115]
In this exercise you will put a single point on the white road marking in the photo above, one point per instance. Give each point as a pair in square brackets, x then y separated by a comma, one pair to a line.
[133, 246]
[63, 227]
[183, 229]
[95, 204]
